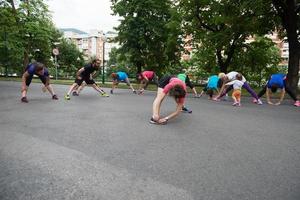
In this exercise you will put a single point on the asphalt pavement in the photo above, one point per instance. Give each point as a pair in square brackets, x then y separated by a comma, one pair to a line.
[94, 147]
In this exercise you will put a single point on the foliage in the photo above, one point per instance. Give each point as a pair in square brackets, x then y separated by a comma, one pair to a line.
[148, 33]
[223, 25]
[119, 62]
[70, 58]
[29, 33]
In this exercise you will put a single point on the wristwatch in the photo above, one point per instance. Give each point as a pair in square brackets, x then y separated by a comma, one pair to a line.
[167, 119]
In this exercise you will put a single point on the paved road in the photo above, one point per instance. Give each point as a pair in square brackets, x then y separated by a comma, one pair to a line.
[93, 147]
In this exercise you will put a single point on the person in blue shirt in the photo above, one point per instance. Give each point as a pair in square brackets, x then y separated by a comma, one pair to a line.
[120, 77]
[41, 71]
[214, 82]
[275, 82]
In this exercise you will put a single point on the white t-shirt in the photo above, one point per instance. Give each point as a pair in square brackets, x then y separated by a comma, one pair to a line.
[237, 84]
[232, 76]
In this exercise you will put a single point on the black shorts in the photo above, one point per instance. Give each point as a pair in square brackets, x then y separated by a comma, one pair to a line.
[164, 81]
[155, 79]
[85, 79]
[29, 79]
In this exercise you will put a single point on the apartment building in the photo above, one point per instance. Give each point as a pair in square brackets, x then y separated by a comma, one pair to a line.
[95, 43]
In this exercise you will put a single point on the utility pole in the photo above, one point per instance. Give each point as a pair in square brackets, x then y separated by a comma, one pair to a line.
[6, 52]
[103, 60]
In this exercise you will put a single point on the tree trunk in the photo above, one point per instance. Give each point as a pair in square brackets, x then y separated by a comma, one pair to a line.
[288, 13]
[293, 70]
[222, 65]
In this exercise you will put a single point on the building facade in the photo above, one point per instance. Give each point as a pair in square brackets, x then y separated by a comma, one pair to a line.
[93, 44]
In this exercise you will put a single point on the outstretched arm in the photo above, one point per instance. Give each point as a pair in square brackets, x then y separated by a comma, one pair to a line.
[268, 94]
[281, 97]
[24, 86]
[173, 114]
[79, 72]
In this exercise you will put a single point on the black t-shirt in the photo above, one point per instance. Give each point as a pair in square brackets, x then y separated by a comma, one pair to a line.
[88, 69]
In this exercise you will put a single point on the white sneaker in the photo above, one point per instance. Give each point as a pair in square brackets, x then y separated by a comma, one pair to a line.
[259, 102]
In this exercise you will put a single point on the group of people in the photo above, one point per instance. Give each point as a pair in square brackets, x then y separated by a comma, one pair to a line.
[174, 86]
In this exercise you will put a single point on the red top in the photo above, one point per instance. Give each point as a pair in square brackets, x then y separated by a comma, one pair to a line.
[175, 81]
[148, 74]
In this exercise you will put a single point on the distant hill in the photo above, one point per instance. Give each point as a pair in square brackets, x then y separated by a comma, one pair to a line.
[72, 30]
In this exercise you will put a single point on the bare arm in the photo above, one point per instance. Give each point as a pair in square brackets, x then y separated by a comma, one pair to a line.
[79, 72]
[142, 84]
[24, 77]
[173, 114]
[93, 74]
[268, 94]
[195, 92]
[281, 97]
[222, 88]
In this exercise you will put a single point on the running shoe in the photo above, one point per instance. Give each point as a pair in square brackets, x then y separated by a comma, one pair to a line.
[140, 92]
[74, 93]
[185, 109]
[235, 104]
[111, 91]
[259, 102]
[24, 100]
[67, 97]
[297, 103]
[54, 97]
[153, 121]
[254, 100]
[134, 92]
[104, 95]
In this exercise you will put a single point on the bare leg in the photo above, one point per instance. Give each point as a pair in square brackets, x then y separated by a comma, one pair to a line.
[50, 89]
[75, 85]
[128, 83]
[114, 85]
[98, 89]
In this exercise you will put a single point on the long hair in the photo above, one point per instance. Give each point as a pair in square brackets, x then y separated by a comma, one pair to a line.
[177, 92]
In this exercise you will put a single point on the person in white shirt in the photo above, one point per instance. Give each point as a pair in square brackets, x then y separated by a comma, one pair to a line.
[231, 76]
[237, 89]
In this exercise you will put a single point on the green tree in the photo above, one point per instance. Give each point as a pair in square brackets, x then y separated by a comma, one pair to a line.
[11, 46]
[31, 32]
[119, 62]
[70, 59]
[147, 34]
[258, 60]
[224, 25]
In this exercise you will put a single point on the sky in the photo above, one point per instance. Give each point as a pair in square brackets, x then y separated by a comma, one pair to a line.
[84, 15]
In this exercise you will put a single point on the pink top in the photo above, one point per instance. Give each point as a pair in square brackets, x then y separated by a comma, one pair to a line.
[175, 81]
[148, 74]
